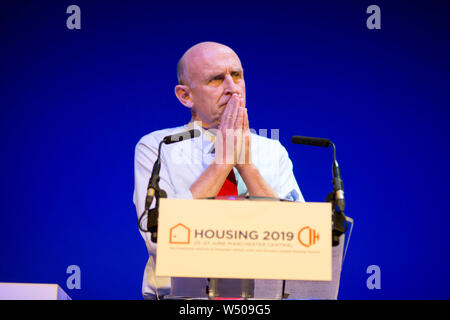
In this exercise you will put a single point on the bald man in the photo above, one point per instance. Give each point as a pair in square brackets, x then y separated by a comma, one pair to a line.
[211, 84]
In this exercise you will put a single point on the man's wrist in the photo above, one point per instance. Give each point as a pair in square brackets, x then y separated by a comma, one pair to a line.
[218, 165]
[244, 169]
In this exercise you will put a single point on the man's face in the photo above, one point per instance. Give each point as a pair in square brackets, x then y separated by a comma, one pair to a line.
[215, 74]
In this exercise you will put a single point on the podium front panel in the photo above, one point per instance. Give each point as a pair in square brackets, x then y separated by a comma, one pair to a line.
[244, 240]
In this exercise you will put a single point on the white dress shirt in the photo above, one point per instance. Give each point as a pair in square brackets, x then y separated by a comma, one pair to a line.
[182, 163]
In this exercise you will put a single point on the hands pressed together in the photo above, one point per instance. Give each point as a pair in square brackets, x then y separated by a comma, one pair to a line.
[233, 140]
[233, 149]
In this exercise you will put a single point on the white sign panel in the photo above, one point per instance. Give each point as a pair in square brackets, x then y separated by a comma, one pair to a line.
[244, 239]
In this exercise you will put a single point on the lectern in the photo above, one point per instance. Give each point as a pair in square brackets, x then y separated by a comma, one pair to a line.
[31, 291]
[248, 249]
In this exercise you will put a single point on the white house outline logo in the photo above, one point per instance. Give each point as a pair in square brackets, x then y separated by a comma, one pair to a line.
[180, 234]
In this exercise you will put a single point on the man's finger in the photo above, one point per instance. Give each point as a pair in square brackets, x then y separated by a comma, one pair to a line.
[235, 111]
[242, 102]
[233, 105]
[245, 125]
[226, 117]
[240, 119]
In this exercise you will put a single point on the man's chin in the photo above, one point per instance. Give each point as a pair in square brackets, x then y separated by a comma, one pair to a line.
[212, 125]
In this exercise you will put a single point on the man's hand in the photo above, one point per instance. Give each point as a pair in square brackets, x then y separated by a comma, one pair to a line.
[229, 138]
[245, 155]
[256, 185]
[233, 149]
[228, 147]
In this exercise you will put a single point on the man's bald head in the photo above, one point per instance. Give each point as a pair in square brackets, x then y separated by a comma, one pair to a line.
[209, 74]
[195, 57]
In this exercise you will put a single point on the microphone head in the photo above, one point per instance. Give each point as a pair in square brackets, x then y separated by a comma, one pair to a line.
[316, 142]
[195, 133]
[177, 137]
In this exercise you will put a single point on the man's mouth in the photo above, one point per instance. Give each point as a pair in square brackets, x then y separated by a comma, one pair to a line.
[224, 104]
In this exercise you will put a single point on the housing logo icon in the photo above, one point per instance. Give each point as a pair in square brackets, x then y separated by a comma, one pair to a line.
[180, 234]
[308, 236]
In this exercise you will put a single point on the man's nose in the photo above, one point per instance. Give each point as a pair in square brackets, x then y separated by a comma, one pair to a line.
[230, 86]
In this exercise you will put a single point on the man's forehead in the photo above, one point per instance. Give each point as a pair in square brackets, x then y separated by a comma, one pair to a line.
[218, 62]
[211, 58]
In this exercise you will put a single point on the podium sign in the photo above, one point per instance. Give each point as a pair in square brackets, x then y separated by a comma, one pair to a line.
[244, 239]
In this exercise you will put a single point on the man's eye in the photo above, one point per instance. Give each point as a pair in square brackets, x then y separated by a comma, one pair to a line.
[236, 75]
[216, 80]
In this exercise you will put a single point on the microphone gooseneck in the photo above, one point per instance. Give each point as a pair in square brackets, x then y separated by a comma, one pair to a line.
[337, 196]
[153, 189]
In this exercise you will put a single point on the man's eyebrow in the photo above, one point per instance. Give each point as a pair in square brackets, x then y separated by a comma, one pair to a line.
[213, 75]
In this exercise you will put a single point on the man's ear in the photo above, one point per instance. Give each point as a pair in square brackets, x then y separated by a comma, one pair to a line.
[183, 94]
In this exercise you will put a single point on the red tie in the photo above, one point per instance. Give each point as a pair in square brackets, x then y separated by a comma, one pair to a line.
[229, 187]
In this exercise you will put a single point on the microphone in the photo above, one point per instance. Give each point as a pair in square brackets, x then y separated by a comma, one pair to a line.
[337, 181]
[316, 142]
[338, 184]
[153, 189]
[154, 178]
[177, 137]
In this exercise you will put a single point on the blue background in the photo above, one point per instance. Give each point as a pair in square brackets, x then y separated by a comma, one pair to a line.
[74, 103]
